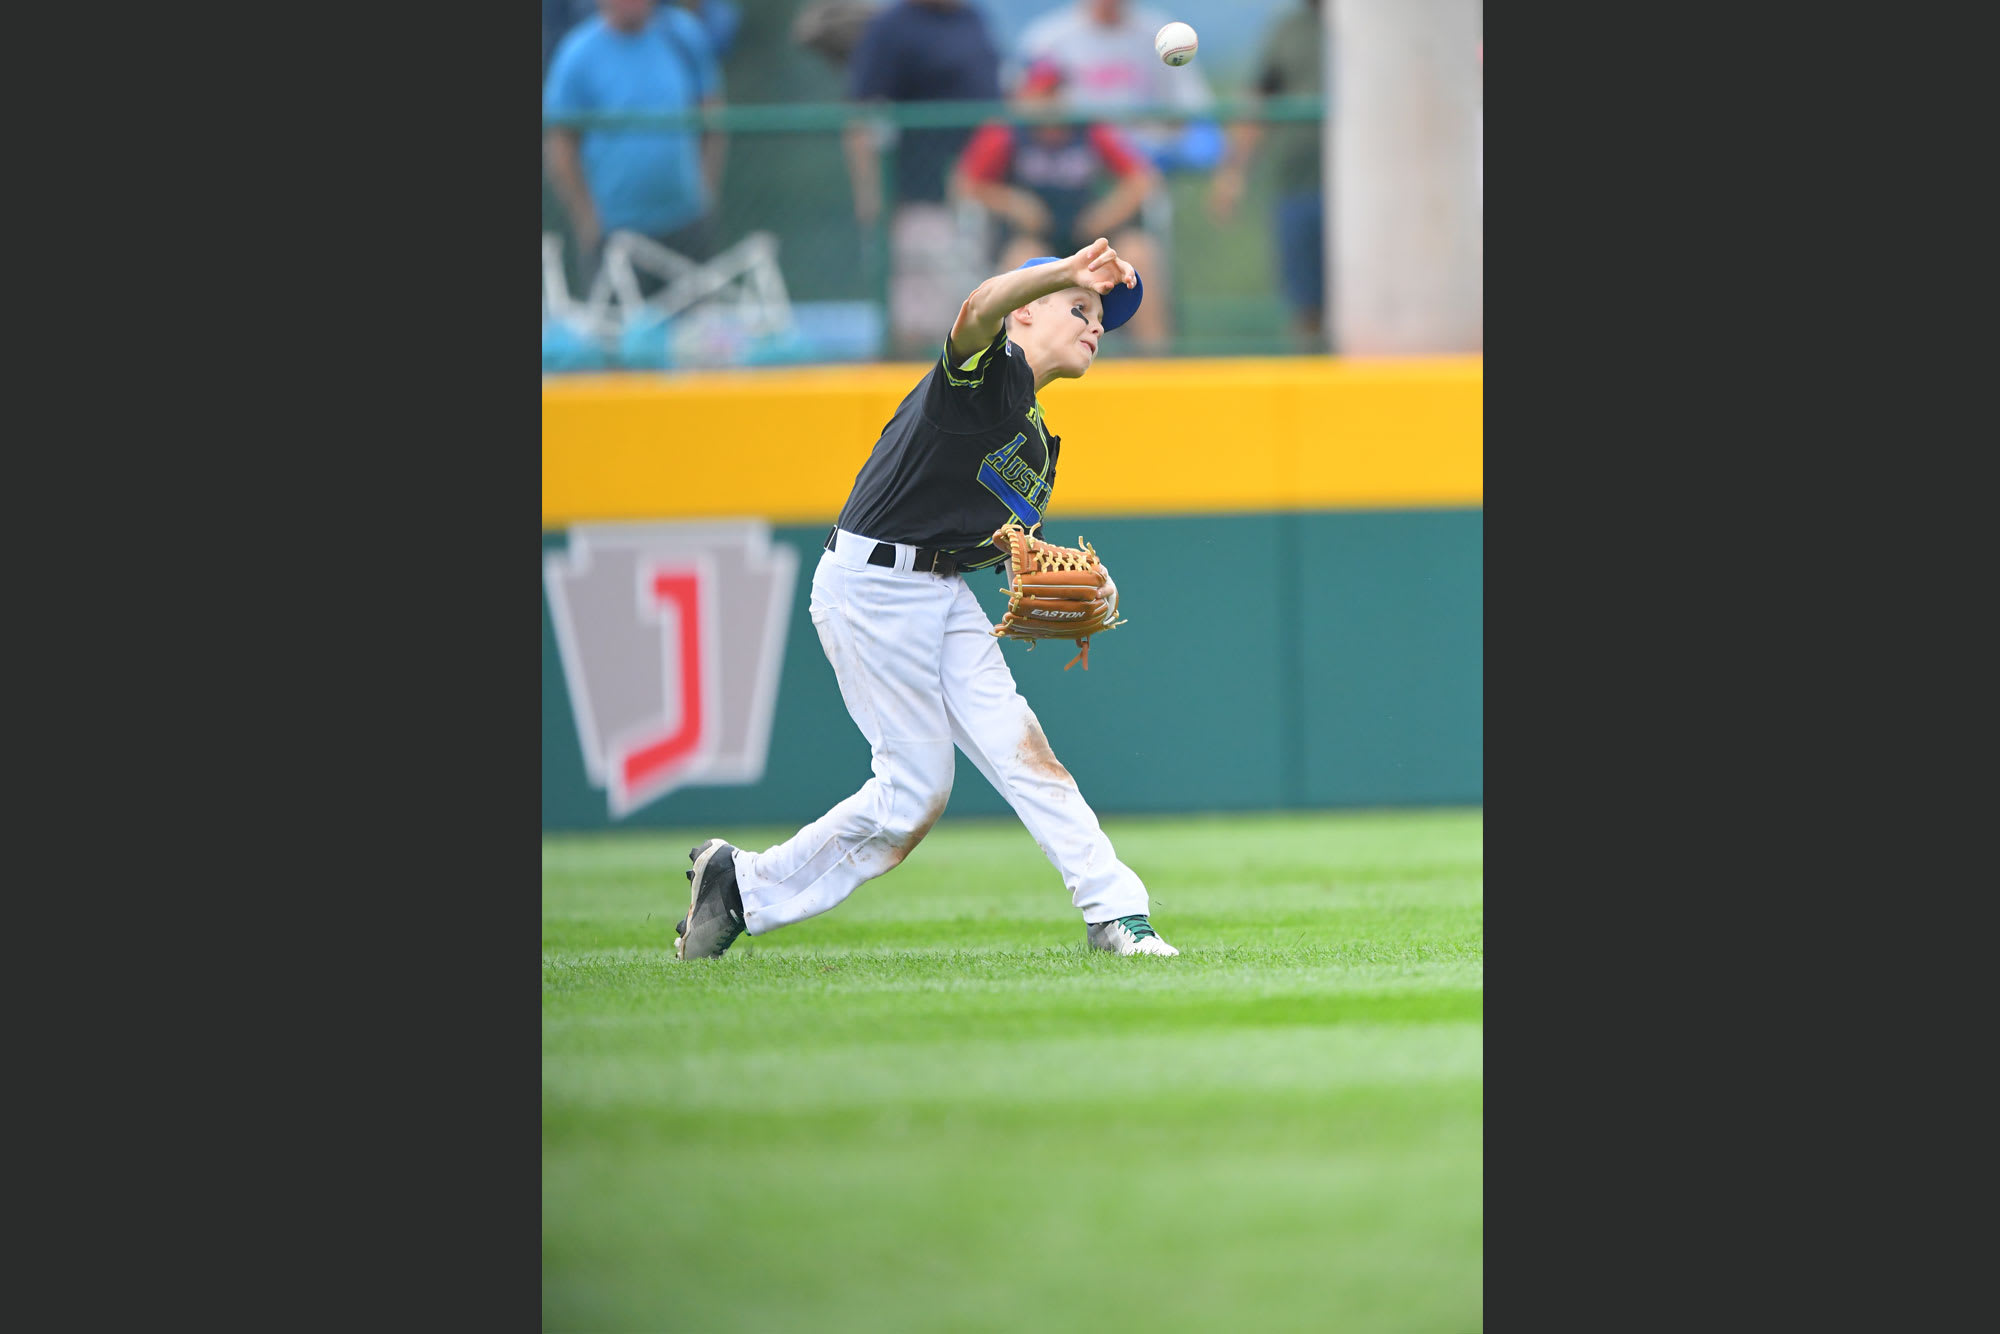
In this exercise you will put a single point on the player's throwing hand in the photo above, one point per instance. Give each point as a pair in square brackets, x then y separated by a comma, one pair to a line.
[1098, 268]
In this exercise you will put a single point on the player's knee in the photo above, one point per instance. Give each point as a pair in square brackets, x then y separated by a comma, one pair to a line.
[912, 816]
[924, 799]
[917, 795]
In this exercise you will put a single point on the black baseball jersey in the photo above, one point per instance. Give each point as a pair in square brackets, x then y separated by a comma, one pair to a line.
[966, 448]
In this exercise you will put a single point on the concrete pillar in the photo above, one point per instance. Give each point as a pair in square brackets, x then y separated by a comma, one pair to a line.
[1404, 251]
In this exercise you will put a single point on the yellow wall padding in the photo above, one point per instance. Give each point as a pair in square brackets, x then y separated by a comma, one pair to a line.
[1138, 437]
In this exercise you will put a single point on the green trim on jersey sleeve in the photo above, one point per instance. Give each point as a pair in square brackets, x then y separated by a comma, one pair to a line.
[978, 361]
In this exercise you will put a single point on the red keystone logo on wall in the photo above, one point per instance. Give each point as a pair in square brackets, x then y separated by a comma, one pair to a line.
[672, 638]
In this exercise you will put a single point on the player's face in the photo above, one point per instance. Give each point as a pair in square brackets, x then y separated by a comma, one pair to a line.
[1073, 325]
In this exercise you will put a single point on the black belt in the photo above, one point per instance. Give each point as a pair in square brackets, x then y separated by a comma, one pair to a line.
[928, 560]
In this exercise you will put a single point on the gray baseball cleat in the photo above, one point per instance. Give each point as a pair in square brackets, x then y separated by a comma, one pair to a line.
[715, 909]
[1127, 935]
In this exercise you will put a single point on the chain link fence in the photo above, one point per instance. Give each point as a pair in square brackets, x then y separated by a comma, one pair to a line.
[789, 271]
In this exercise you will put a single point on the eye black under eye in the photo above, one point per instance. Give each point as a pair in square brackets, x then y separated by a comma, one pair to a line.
[1077, 310]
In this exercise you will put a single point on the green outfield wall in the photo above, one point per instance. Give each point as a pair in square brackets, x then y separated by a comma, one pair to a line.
[1349, 675]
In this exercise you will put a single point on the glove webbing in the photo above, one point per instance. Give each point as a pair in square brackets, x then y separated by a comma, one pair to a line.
[1048, 558]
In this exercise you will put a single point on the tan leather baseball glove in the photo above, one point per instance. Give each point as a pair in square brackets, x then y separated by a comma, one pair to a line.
[1054, 592]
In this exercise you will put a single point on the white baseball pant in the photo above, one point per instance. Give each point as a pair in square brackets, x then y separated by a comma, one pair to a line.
[920, 670]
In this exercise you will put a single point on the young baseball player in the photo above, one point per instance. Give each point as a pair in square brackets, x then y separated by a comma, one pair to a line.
[919, 668]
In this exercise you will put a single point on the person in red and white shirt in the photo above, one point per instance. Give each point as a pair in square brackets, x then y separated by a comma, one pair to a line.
[1105, 47]
[1047, 184]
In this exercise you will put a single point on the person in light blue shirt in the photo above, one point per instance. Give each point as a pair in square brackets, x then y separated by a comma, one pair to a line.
[635, 56]
[721, 18]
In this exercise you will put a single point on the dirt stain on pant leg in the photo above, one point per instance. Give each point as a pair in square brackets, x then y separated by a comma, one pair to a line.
[1034, 753]
[902, 847]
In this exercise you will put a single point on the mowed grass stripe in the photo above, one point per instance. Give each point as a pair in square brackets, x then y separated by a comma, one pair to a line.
[599, 1071]
[932, 1109]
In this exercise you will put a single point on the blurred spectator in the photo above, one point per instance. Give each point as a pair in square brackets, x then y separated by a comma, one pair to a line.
[1105, 50]
[635, 57]
[558, 17]
[1044, 181]
[719, 18]
[1105, 47]
[1289, 66]
[921, 51]
[833, 28]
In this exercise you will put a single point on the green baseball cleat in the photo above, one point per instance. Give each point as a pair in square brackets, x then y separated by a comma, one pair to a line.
[715, 910]
[1127, 935]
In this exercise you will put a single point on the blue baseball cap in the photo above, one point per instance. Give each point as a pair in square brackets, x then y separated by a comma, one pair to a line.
[1120, 303]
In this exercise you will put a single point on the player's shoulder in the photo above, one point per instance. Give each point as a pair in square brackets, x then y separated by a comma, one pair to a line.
[973, 393]
[961, 367]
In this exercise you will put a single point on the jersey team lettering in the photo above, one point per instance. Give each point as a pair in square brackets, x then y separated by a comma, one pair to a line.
[1014, 480]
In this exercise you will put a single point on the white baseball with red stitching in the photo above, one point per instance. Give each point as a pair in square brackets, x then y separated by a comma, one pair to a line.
[1176, 43]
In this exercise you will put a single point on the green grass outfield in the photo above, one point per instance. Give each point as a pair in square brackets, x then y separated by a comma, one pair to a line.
[933, 1109]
